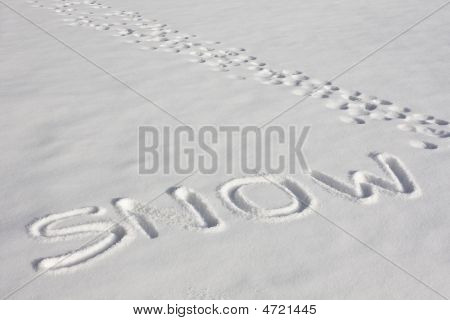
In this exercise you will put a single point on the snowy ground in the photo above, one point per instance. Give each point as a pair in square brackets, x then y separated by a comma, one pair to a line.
[69, 141]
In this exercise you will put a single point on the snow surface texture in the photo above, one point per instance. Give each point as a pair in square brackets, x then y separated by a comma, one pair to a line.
[70, 136]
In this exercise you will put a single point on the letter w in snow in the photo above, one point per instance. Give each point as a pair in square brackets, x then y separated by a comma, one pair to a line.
[364, 186]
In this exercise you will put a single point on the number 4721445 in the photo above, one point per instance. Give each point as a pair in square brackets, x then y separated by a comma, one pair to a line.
[289, 309]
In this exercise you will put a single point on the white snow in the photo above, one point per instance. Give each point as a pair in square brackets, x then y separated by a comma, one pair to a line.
[69, 136]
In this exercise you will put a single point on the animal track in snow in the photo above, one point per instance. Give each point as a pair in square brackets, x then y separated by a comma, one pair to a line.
[422, 144]
[364, 185]
[149, 34]
[353, 120]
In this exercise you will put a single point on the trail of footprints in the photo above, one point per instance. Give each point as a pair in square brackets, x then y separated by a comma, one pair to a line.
[197, 214]
[149, 34]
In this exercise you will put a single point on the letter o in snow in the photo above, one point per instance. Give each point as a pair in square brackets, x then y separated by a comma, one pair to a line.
[231, 193]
